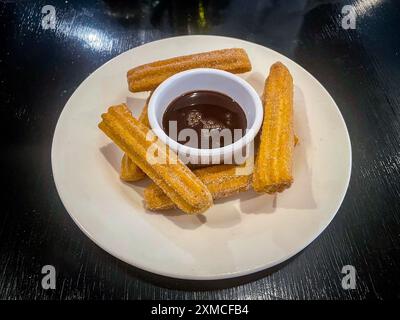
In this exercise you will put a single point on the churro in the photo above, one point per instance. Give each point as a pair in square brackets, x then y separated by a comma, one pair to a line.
[149, 76]
[221, 180]
[130, 172]
[143, 117]
[180, 184]
[273, 166]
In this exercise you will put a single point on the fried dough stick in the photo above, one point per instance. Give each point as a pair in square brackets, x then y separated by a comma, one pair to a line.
[130, 172]
[149, 76]
[273, 166]
[221, 180]
[180, 184]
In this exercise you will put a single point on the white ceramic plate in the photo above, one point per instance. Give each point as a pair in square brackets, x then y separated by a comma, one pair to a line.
[236, 236]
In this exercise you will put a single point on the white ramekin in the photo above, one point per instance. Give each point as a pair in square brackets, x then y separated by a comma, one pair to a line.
[214, 80]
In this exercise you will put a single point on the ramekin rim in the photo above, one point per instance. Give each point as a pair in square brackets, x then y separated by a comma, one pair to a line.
[231, 148]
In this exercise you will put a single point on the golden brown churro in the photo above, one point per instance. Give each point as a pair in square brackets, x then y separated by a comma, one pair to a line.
[273, 166]
[143, 117]
[221, 180]
[149, 76]
[130, 172]
[180, 184]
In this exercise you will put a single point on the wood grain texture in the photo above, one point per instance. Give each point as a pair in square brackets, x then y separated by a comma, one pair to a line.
[40, 69]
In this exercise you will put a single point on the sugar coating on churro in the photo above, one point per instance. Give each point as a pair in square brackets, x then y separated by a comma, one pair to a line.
[221, 180]
[273, 166]
[143, 117]
[130, 172]
[176, 180]
[149, 76]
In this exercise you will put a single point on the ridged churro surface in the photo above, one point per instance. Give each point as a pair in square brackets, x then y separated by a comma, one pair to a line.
[180, 184]
[273, 166]
[149, 76]
[221, 180]
[130, 172]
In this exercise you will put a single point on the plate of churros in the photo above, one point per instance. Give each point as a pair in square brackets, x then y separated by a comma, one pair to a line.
[201, 157]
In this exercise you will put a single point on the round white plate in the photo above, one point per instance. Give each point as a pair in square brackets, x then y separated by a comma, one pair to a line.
[237, 236]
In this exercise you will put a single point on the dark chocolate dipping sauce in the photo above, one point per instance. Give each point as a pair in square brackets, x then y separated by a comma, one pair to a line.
[210, 114]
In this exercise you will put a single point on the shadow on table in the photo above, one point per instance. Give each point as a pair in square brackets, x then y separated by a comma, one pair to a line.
[203, 285]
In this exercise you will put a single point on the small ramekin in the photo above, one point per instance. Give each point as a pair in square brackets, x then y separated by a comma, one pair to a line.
[214, 80]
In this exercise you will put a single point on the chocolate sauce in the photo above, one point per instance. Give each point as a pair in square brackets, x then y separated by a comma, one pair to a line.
[216, 119]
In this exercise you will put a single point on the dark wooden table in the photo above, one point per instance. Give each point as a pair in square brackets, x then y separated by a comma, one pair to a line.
[41, 68]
